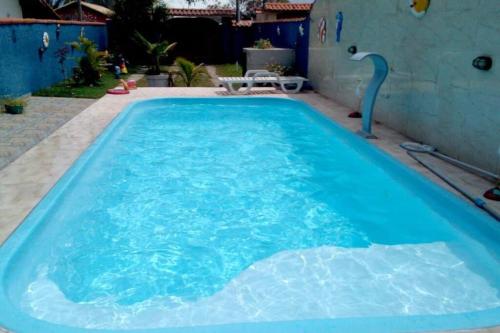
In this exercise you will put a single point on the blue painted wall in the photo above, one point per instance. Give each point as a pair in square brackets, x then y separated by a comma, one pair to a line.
[289, 37]
[22, 70]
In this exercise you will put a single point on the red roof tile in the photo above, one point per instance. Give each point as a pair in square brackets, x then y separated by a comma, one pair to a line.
[283, 7]
[201, 12]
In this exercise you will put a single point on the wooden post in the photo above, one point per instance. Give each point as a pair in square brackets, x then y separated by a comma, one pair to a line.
[80, 12]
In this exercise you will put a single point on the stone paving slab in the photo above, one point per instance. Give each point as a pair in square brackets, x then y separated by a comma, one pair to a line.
[41, 117]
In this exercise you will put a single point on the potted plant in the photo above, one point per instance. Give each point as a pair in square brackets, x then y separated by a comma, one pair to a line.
[263, 53]
[14, 105]
[155, 51]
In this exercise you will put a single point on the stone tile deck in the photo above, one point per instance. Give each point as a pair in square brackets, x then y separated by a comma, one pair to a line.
[26, 180]
[42, 116]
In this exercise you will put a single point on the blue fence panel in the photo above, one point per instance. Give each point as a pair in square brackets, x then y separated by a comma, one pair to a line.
[23, 69]
[294, 35]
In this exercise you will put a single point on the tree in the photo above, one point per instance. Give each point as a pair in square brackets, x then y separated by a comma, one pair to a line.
[148, 17]
[247, 7]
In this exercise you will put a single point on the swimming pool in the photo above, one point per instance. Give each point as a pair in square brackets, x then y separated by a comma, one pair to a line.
[246, 215]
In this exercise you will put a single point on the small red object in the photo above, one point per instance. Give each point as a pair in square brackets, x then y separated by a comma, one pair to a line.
[132, 84]
[493, 194]
[355, 114]
[117, 91]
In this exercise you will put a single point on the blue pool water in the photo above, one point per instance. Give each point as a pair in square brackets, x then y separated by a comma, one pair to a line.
[196, 213]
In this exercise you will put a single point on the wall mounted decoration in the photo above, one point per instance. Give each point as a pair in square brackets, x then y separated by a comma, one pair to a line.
[46, 40]
[340, 23]
[419, 7]
[322, 31]
[301, 30]
[58, 31]
[278, 31]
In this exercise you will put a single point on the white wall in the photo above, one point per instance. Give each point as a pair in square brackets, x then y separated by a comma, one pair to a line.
[10, 8]
[432, 94]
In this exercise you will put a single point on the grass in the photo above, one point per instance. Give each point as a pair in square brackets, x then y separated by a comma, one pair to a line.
[66, 89]
[229, 70]
[200, 81]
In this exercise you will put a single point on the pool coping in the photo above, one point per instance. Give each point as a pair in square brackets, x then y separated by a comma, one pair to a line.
[86, 127]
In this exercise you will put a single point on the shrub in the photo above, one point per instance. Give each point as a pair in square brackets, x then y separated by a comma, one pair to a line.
[89, 70]
[263, 44]
[188, 70]
[279, 69]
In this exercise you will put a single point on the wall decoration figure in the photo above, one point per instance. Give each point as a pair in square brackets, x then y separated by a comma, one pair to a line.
[278, 31]
[322, 30]
[419, 7]
[301, 30]
[46, 40]
[340, 23]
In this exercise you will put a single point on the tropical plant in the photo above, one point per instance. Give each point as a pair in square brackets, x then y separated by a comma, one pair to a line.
[89, 70]
[155, 50]
[149, 17]
[188, 71]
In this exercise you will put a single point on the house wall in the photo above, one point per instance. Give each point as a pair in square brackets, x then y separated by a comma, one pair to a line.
[433, 93]
[10, 8]
[71, 13]
[23, 69]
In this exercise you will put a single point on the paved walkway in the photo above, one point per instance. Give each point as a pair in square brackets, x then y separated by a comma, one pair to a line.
[42, 116]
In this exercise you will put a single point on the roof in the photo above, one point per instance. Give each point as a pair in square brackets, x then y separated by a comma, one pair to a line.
[283, 7]
[201, 12]
[96, 8]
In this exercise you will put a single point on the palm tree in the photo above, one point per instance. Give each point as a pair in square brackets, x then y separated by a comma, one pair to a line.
[155, 50]
[188, 70]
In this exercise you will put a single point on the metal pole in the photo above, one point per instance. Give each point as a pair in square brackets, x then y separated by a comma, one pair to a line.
[238, 15]
[80, 12]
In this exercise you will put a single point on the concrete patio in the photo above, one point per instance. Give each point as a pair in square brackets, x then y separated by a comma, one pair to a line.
[41, 117]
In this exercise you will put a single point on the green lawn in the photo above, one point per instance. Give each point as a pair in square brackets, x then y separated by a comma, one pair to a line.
[229, 70]
[66, 89]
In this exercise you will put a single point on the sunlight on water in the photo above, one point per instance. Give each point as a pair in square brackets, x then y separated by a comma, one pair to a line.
[202, 214]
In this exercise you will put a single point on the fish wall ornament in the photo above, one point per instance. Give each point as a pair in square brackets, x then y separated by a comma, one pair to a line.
[322, 30]
[340, 22]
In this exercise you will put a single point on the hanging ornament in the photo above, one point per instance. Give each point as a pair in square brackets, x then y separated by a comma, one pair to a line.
[340, 23]
[46, 40]
[322, 31]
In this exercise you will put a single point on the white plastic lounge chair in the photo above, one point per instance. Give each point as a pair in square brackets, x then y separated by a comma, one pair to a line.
[253, 77]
